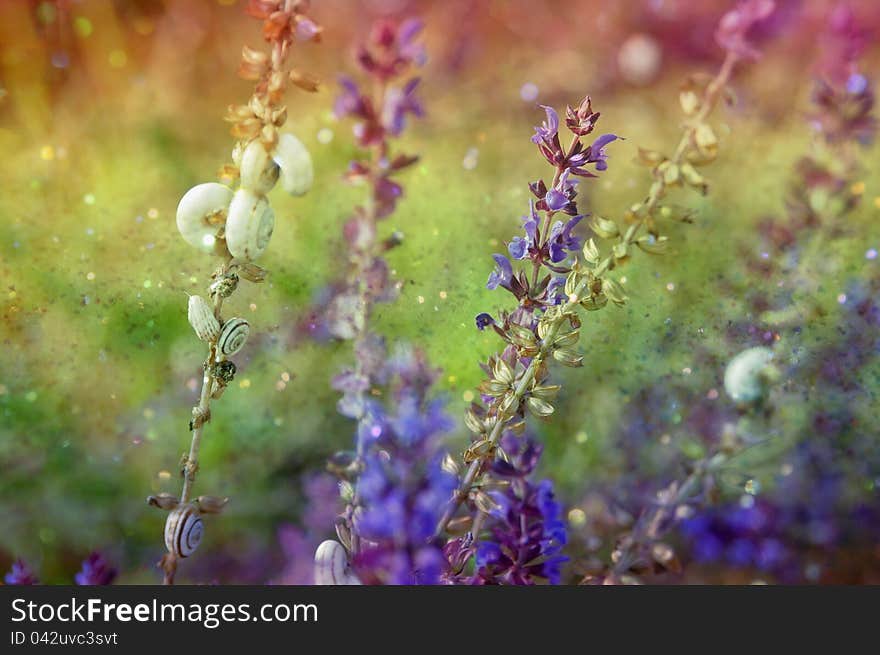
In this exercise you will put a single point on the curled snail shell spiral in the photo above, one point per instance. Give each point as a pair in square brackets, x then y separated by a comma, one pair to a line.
[202, 319]
[259, 172]
[201, 215]
[295, 162]
[331, 565]
[183, 530]
[249, 226]
[233, 336]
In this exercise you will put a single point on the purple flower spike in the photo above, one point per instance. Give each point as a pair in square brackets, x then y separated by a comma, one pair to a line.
[96, 571]
[349, 102]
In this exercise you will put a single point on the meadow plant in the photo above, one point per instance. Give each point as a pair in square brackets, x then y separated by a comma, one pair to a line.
[563, 276]
[817, 511]
[236, 225]
[752, 532]
[95, 571]
[393, 482]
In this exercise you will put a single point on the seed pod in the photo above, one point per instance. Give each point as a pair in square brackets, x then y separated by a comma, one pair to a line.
[201, 215]
[259, 172]
[183, 530]
[296, 165]
[249, 226]
[202, 319]
[331, 565]
[233, 336]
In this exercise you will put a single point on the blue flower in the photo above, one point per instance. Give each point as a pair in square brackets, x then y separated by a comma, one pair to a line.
[520, 247]
[502, 275]
[398, 103]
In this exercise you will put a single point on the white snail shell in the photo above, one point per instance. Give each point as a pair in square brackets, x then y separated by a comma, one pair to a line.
[295, 162]
[202, 319]
[249, 225]
[331, 565]
[201, 214]
[258, 172]
[745, 379]
[233, 336]
[183, 530]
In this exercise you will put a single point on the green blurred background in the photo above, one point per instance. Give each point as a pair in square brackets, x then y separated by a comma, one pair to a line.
[110, 111]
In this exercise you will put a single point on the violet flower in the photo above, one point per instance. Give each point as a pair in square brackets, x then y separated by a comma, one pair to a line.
[96, 571]
[403, 486]
[21, 574]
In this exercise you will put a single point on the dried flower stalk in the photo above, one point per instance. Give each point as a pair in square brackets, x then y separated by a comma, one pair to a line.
[237, 227]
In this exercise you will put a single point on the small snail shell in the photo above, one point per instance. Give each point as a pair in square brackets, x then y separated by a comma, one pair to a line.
[331, 565]
[745, 378]
[202, 319]
[249, 225]
[233, 336]
[183, 530]
[201, 214]
[296, 165]
[258, 172]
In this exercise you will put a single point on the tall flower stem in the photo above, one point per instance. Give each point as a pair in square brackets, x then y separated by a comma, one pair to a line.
[256, 126]
[553, 323]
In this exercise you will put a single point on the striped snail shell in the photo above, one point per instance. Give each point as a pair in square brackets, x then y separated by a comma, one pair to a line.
[202, 319]
[183, 530]
[331, 565]
[258, 172]
[233, 336]
[295, 162]
[249, 225]
[201, 215]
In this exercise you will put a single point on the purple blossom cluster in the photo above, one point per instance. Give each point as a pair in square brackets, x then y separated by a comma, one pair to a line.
[526, 529]
[403, 485]
[548, 243]
[822, 505]
[379, 109]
